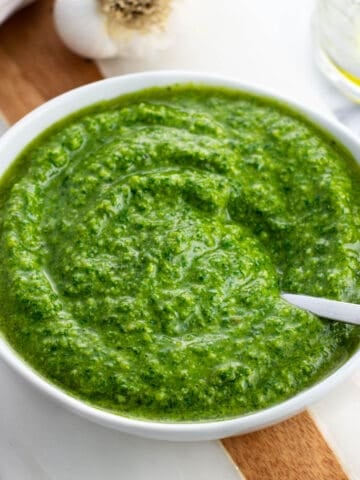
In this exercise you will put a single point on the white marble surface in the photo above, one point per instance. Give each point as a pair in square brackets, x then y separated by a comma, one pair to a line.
[39, 440]
[261, 42]
[338, 418]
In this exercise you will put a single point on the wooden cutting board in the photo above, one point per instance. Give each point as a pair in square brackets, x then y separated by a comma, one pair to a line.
[34, 67]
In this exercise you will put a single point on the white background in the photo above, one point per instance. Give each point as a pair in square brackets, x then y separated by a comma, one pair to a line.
[259, 41]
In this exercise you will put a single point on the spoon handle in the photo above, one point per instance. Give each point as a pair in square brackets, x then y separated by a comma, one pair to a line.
[332, 309]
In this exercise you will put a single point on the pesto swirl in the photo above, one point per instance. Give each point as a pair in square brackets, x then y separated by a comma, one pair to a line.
[145, 242]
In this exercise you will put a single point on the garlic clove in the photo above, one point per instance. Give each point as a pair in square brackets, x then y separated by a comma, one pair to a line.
[145, 43]
[114, 28]
[140, 28]
[8, 7]
[82, 27]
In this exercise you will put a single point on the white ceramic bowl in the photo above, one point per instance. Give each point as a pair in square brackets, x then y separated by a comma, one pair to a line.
[13, 142]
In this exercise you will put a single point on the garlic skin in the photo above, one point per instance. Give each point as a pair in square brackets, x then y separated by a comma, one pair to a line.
[82, 27]
[87, 30]
[8, 7]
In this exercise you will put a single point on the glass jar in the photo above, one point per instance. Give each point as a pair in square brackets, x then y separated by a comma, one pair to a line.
[337, 30]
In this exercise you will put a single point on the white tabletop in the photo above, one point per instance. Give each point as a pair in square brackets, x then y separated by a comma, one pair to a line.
[262, 42]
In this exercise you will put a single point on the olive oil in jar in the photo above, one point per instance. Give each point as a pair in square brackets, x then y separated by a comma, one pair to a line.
[337, 28]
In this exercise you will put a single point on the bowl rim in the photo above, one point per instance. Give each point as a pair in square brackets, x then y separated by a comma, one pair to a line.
[113, 87]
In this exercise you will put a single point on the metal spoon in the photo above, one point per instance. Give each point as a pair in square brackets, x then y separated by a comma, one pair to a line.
[331, 309]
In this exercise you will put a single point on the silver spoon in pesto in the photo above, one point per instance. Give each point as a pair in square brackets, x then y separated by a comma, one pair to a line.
[331, 309]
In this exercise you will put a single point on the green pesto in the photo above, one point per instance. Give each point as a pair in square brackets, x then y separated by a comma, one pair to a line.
[144, 243]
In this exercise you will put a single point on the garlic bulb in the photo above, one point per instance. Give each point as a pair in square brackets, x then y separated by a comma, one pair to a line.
[8, 7]
[113, 28]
